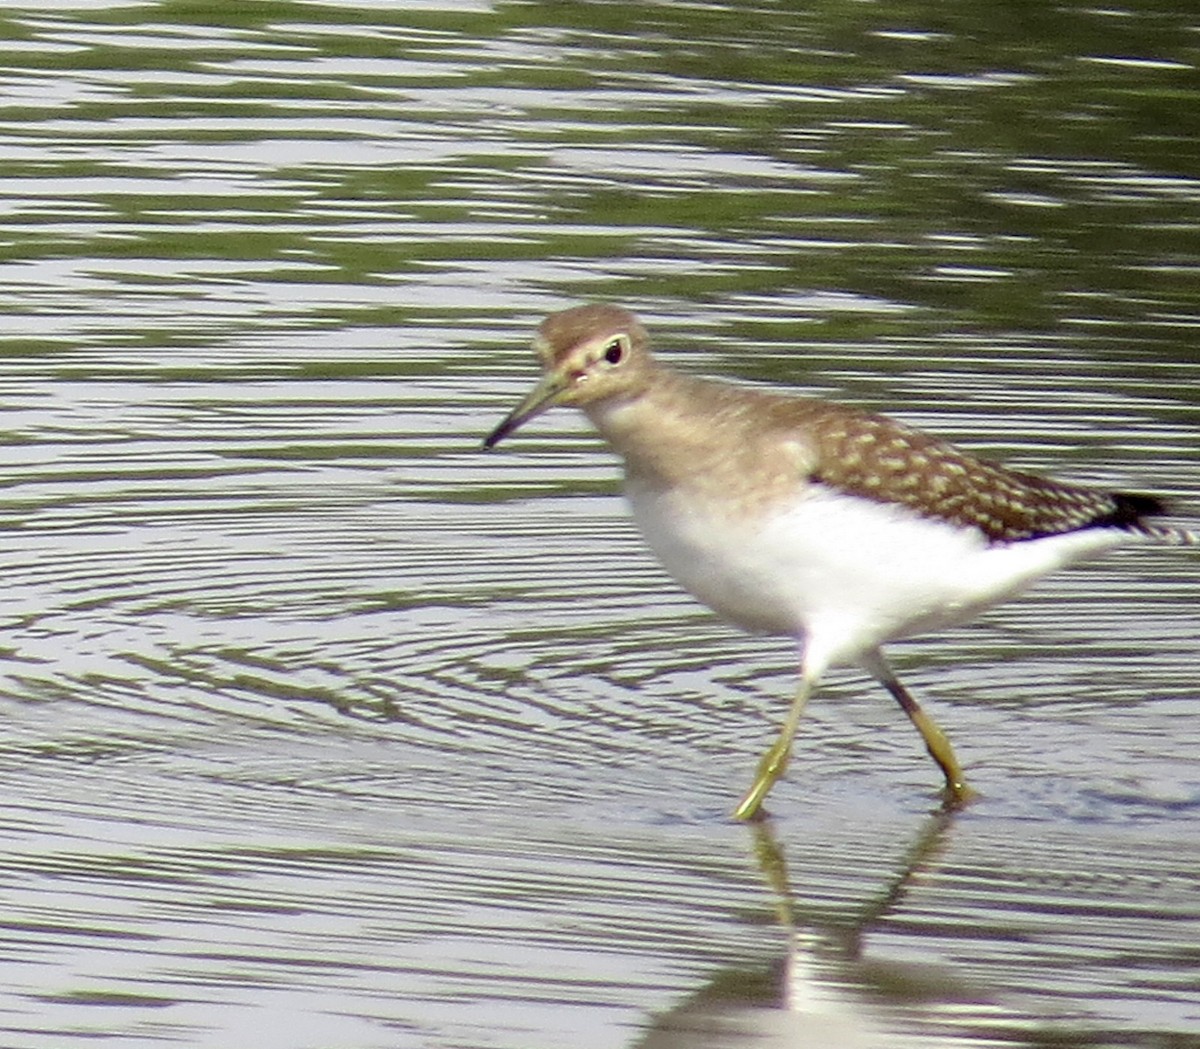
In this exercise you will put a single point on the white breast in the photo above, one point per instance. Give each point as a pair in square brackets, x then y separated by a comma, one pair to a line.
[841, 571]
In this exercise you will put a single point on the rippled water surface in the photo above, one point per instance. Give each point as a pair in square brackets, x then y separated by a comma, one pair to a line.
[322, 728]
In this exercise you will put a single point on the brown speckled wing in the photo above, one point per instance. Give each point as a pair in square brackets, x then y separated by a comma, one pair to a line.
[878, 458]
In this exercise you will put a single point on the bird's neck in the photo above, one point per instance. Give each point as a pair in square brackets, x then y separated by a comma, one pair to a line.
[683, 433]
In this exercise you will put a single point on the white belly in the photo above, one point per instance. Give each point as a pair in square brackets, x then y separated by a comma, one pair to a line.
[842, 572]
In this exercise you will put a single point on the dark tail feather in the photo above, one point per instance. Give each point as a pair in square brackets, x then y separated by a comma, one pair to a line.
[1130, 511]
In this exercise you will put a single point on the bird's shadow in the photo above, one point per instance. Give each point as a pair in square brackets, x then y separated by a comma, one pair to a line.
[828, 989]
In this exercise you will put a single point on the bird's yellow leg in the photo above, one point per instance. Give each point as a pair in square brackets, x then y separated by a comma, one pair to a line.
[957, 791]
[775, 761]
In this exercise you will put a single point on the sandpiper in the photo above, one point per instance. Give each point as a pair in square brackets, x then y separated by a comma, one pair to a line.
[793, 515]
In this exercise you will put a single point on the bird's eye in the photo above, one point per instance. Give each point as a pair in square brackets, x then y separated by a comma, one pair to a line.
[614, 351]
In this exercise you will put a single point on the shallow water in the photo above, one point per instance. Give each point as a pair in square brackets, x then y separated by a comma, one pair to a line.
[323, 728]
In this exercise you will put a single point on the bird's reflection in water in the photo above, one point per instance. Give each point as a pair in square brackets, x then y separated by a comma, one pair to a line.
[828, 992]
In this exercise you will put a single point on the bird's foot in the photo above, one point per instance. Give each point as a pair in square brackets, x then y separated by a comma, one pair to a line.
[773, 765]
[957, 795]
